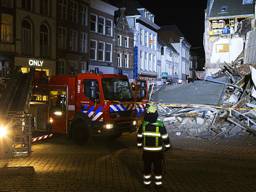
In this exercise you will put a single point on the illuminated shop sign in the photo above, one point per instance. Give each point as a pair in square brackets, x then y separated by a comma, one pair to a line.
[35, 63]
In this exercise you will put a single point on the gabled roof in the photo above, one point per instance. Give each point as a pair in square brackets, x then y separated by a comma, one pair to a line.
[222, 8]
[130, 5]
[170, 34]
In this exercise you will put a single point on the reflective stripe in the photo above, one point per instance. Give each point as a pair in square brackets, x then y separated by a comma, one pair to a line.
[147, 176]
[139, 135]
[165, 136]
[157, 137]
[158, 177]
[139, 144]
[147, 182]
[158, 183]
[168, 145]
[152, 134]
[153, 148]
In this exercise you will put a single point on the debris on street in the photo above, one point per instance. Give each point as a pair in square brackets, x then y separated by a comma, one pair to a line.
[235, 115]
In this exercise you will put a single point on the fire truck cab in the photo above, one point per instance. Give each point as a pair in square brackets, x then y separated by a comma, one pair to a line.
[91, 104]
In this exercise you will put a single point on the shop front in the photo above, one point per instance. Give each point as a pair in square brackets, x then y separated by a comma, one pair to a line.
[46, 65]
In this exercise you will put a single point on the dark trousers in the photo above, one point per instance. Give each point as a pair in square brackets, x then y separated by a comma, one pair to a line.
[153, 160]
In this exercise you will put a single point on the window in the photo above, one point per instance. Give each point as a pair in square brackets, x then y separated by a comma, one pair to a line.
[88, 88]
[26, 4]
[119, 40]
[27, 38]
[73, 40]
[142, 37]
[74, 11]
[100, 51]
[247, 2]
[126, 60]
[101, 23]
[151, 41]
[84, 16]
[108, 52]
[62, 38]
[150, 61]
[93, 49]
[6, 28]
[142, 60]
[7, 3]
[126, 42]
[63, 9]
[119, 59]
[83, 42]
[146, 62]
[93, 21]
[108, 29]
[45, 7]
[44, 40]
[146, 39]
[60, 68]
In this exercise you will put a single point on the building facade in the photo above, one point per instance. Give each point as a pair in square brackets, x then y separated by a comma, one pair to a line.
[123, 49]
[145, 40]
[101, 43]
[7, 36]
[173, 36]
[226, 25]
[35, 35]
[72, 36]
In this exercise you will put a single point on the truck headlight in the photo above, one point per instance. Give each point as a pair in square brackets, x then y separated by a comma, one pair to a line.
[3, 131]
[109, 126]
[134, 123]
[57, 113]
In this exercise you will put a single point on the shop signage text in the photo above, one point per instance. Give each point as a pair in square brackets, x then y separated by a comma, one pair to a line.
[35, 63]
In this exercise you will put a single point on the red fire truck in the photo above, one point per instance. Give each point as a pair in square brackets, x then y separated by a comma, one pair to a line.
[90, 104]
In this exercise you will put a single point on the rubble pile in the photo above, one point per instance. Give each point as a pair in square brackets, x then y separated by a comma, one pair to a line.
[235, 116]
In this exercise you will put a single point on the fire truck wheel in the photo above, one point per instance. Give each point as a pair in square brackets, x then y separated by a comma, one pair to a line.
[79, 132]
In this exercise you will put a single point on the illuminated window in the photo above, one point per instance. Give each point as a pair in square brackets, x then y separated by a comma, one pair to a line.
[6, 27]
[62, 6]
[44, 41]
[27, 38]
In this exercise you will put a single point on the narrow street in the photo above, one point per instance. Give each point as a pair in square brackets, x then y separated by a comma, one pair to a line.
[194, 165]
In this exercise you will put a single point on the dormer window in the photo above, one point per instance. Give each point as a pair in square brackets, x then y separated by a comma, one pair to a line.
[247, 2]
[224, 9]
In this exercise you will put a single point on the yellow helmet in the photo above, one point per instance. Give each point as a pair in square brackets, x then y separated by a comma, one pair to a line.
[151, 108]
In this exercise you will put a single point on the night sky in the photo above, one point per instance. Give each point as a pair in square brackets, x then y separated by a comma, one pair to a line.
[188, 15]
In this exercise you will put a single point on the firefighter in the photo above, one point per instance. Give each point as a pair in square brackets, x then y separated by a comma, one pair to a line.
[153, 138]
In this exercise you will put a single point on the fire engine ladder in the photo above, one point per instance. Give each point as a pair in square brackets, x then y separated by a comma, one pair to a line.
[15, 109]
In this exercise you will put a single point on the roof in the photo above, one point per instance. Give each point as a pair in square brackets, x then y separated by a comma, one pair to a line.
[222, 8]
[169, 45]
[169, 34]
[130, 5]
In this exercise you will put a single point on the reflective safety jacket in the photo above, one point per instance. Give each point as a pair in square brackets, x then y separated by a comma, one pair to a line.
[153, 136]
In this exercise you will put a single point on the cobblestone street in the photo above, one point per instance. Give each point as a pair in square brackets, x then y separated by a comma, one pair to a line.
[193, 165]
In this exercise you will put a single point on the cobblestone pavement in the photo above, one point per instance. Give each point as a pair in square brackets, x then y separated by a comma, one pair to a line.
[193, 166]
